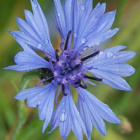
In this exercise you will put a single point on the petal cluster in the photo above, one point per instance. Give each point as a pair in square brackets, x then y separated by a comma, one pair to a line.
[90, 27]
[80, 27]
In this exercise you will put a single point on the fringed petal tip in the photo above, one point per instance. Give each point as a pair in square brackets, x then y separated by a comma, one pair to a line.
[18, 97]
[6, 68]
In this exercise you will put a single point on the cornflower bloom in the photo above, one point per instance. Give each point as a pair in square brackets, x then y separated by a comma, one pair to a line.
[80, 27]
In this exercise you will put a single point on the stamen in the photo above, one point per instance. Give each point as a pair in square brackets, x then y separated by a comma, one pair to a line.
[93, 78]
[63, 90]
[76, 84]
[82, 86]
[56, 55]
[67, 40]
[89, 56]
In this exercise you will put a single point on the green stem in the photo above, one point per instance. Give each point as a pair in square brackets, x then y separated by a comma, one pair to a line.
[22, 113]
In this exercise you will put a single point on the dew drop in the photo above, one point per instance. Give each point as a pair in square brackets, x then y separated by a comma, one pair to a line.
[63, 117]
[75, 35]
[96, 57]
[85, 48]
[101, 37]
[35, 5]
[114, 57]
[59, 14]
[83, 40]
[83, 7]
[109, 54]
[30, 68]
[46, 41]
[97, 43]
[113, 77]
[100, 52]
[39, 46]
[39, 103]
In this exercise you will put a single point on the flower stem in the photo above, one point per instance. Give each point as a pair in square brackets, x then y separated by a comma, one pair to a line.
[22, 113]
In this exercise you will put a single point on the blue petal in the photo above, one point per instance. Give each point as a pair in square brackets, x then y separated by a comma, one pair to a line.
[68, 10]
[94, 25]
[93, 111]
[27, 93]
[47, 103]
[118, 69]
[111, 79]
[60, 18]
[85, 8]
[85, 115]
[94, 18]
[96, 39]
[27, 60]
[109, 66]
[67, 117]
[93, 116]
[40, 96]
[35, 31]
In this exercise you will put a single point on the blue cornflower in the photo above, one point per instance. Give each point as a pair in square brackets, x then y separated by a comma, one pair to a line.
[80, 28]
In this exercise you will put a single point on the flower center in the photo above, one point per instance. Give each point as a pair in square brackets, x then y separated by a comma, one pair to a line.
[67, 68]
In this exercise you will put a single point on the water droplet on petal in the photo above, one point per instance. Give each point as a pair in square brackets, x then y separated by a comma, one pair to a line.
[100, 52]
[30, 68]
[39, 103]
[83, 40]
[46, 41]
[109, 54]
[39, 46]
[59, 14]
[63, 117]
[35, 5]
[75, 34]
[114, 57]
[97, 43]
[96, 57]
[113, 77]
[83, 7]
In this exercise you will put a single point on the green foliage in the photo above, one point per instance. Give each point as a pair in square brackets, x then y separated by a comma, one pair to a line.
[19, 122]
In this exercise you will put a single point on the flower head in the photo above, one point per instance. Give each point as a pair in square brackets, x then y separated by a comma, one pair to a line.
[80, 28]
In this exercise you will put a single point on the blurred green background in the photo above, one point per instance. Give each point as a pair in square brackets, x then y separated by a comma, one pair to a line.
[125, 104]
